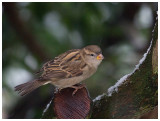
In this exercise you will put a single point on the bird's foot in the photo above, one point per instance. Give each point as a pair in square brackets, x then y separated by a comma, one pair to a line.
[77, 87]
[58, 90]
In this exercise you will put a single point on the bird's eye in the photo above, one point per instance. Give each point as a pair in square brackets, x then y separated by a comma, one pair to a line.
[91, 54]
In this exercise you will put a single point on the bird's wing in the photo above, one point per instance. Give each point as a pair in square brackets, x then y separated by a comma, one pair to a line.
[66, 65]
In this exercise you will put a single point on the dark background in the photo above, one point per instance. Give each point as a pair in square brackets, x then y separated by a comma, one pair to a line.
[33, 33]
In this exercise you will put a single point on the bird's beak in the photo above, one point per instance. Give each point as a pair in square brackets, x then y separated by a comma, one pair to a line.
[100, 57]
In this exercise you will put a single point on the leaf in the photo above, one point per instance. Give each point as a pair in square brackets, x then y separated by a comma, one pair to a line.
[65, 105]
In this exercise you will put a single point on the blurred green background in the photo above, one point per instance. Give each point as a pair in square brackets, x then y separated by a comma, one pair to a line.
[33, 33]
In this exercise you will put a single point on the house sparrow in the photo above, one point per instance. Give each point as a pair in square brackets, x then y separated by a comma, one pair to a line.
[66, 70]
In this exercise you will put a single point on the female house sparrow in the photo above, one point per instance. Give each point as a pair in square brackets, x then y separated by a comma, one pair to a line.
[66, 70]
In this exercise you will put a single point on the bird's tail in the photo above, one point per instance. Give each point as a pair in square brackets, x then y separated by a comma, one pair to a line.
[28, 87]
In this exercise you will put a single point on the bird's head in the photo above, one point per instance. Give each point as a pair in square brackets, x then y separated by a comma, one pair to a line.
[92, 55]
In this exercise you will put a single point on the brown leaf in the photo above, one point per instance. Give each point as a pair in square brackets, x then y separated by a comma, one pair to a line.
[68, 106]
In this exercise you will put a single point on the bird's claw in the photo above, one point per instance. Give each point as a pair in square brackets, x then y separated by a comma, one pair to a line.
[77, 88]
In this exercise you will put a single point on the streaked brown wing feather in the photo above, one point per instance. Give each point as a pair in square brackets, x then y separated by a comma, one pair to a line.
[64, 66]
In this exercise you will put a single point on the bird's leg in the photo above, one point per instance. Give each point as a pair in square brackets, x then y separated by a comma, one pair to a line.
[77, 88]
[58, 90]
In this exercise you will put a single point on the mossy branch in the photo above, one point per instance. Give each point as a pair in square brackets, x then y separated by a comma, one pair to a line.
[134, 94]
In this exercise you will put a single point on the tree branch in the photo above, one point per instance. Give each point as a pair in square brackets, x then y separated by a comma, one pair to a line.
[134, 94]
[22, 30]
